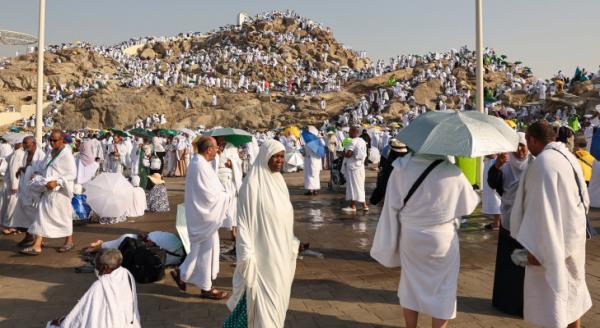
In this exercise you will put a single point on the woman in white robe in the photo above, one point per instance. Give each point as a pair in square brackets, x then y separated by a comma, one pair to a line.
[86, 163]
[266, 246]
[421, 235]
[139, 204]
[490, 203]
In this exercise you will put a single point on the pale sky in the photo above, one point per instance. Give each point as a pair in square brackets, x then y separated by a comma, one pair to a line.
[546, 35]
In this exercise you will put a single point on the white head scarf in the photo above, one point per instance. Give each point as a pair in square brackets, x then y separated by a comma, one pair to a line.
[266, 246]
[135, 180]
[518, 165]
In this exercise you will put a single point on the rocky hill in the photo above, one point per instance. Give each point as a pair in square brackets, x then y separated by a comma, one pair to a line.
[109, 87]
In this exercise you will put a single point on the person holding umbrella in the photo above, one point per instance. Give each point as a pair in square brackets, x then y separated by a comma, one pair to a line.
[312, 160]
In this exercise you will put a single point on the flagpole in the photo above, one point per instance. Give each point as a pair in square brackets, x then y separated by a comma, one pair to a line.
[39, 110]
[479, 77]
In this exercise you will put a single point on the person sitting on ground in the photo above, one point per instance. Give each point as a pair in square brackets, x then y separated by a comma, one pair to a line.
[156, 197]
[166, 240]
[111, 301]
[139, 199]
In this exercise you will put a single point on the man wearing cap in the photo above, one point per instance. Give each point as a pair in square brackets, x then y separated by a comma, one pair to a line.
[206, 204]
[355, 155]
[390, 153]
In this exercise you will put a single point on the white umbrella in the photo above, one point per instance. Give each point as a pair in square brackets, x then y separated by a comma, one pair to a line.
[181, 226]
[468, 134]
[187, 131]
[12, 137]
[109, 194]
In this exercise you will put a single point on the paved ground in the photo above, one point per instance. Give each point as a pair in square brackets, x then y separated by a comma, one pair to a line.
[346, 288]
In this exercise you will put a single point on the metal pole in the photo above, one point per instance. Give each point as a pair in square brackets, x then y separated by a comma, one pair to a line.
[479, 77]
[39, 110]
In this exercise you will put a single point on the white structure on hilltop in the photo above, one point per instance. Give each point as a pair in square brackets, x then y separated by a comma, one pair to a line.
[242, 16]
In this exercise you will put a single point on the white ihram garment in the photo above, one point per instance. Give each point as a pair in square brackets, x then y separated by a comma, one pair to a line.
[28, 197]
[490, 203]
[111, 301]
[231, 179]
[421, 235]
[205, 208]
[266, 246]
[11, 182]
[355, 170]
[54, 216]
[549, 220]
[139, 204]
[312, 170]
[594, 187]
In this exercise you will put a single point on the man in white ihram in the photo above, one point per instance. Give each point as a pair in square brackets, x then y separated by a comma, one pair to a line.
[312, 168]
[54, 215]
[419, 234]
[354, 162]
[206, 204]
[111, 301]
[549, 219]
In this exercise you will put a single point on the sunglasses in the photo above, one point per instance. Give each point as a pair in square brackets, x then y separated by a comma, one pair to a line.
[54, 140]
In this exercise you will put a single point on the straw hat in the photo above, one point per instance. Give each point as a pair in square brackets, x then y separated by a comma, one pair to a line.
[156, 179]
[398, 146]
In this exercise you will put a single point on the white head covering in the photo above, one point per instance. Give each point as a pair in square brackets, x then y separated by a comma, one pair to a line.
[522, 139]
[135, 180]
[266, 246]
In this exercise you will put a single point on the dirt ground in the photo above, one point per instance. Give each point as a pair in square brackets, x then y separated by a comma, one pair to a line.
[345, 288]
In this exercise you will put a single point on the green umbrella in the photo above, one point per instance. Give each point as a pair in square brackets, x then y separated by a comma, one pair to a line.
[235, 137]
[118, 132]
[164, 132]
[142, 133]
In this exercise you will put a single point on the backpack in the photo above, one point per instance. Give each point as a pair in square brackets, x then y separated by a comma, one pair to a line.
[146, 263]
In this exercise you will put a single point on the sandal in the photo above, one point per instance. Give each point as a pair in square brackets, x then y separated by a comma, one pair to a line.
[65, 248]
[180, 284]
[30, 251]
[10, 232]
[214, 294]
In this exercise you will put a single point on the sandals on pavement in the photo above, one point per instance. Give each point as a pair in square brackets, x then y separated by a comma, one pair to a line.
[214, 294]
[180, 284]
[65, 248]
[30, 251]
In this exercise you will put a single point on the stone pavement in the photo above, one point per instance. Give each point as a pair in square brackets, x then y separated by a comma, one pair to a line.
[346, 288]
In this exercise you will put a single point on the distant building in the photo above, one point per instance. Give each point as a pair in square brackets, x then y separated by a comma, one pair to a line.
[242, 16]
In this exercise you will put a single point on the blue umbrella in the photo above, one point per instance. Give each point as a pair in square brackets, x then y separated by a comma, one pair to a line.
[314, 143]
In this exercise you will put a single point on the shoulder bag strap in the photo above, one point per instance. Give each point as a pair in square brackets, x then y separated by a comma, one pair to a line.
[420, 180]
[590, 231]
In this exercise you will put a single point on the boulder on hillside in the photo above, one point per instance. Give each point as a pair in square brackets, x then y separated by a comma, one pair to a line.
[427, 93]
[580, 88]
[148, 54]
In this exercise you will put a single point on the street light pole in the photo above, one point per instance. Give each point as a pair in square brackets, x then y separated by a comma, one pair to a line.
[479, 77]
[39, 110]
